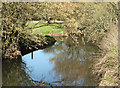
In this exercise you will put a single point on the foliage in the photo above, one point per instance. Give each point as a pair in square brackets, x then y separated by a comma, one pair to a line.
[110, 63]
[107, 78]
[94, 17]
[14, 17]
[113, 50]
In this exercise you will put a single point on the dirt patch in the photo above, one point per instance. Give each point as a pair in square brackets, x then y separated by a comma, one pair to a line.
[58, 34]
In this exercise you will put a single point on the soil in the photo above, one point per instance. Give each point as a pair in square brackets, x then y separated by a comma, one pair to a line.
[57, 34]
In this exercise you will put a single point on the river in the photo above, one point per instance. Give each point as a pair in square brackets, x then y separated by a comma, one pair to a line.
[65, 63]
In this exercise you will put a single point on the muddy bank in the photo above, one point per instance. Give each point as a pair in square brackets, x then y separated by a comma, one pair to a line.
[106, 64]
[25, 49]
[58, 34]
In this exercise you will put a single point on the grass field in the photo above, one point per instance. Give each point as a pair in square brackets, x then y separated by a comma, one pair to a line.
[43, 28]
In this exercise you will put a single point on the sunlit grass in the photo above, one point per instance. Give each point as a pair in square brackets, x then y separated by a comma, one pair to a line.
[107, 78]
[44, 28]
[110, 63]
[113, 50]
[31, 24]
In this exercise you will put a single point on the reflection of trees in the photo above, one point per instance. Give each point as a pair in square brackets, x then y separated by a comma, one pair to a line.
[72, 60]
[13, 74]
[70, 50]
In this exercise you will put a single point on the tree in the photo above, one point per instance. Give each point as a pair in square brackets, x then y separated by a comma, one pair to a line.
[14, 17]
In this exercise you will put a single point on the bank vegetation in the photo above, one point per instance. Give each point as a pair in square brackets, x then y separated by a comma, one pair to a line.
[95, 22]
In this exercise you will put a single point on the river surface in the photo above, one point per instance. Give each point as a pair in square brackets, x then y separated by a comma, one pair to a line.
[65, 63]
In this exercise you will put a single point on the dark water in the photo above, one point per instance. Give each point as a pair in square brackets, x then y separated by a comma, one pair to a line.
[65, 63]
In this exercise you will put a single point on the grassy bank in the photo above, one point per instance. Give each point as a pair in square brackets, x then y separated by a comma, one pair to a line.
[43, 28]
[106, 67]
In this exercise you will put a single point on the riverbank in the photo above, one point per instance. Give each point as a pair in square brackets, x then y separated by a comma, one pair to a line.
[35, 36]
[36, 43]
[106, 66]
[29, 43]
[69, 60]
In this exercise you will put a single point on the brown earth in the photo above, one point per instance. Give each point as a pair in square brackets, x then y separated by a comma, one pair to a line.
[57, 34]
[106, 66]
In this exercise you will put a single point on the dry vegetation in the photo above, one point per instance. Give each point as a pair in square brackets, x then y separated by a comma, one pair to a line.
[94, 19]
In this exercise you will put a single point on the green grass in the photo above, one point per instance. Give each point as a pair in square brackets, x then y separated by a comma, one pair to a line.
[43, 24]
[31, 24]
[110, 63]
[44, 28]
[107, 78]
[113, 50]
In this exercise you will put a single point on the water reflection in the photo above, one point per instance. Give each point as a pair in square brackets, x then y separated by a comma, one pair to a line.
[64, 63]
[13, 73]
[72, 62]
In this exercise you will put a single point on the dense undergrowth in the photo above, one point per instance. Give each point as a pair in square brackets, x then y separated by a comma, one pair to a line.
[93, 19]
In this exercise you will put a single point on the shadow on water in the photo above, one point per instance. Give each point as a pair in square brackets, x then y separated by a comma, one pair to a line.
[64, 63]
[13, 73]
